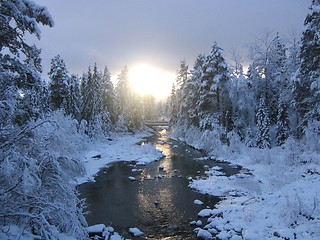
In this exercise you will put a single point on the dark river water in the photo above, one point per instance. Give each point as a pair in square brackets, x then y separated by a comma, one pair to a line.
[159, 202]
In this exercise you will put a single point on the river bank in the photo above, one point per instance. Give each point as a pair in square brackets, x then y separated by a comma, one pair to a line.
[277, 198]
[119, 147]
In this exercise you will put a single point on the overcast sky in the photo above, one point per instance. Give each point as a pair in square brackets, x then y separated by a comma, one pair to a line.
[159, 32]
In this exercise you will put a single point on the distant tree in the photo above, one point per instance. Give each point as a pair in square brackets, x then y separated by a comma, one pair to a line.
[188, 112]
[125, 113]
[213, 104]
[173, 105]
[263, 124]
[283, 126]
[276, 76]
[59, 83]
[108, 95]
[73, 100]
[150, 107]
[94, 102]
[243, 105]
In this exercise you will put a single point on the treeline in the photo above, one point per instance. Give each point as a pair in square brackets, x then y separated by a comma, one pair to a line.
[98, 105]
[278, 97]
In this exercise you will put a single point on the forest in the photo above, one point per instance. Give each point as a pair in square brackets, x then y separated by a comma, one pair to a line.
[215, 106]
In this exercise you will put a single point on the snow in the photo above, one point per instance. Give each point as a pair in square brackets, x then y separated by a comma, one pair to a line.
[204, 234]
[197, 202]
[96, 228]
[275, 196]
[136, 232]
[205, 213]
[123, 147]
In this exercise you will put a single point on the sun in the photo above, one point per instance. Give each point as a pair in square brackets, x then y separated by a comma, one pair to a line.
[146, 79]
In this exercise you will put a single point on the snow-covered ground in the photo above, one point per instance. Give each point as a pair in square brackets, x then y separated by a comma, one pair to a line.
[275, 196]
[120, 147]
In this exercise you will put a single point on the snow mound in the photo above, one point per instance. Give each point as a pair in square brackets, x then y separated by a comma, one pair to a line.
[197, 202]
[135, 232]
[205, 213]
[204, 234]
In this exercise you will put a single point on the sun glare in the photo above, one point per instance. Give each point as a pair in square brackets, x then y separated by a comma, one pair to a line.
[146, 79]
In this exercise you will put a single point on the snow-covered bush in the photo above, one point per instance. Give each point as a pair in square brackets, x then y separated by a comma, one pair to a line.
[37, 166]
[312, 136]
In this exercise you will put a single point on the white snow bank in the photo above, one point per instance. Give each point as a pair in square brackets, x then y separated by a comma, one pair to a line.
[123, 147]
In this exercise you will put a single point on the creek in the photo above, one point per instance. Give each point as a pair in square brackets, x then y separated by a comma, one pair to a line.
[158, 200]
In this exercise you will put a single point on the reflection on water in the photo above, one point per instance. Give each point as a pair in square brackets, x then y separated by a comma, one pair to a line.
[159, 202]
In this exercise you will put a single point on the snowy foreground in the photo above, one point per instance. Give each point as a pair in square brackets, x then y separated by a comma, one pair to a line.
[275, 196]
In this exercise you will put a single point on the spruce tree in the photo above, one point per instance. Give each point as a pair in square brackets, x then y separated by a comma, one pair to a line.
[125, 113]
[73, 100]
[283, 128]
[214, 104]
[307, 90]
[263, 125]
[173, 105]
[108, 95]
[59, 83]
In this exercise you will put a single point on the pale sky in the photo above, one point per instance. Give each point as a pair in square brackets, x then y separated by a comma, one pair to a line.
[159, 32]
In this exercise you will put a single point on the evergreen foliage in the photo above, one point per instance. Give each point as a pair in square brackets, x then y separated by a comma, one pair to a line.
[263, 125]
[59, 84]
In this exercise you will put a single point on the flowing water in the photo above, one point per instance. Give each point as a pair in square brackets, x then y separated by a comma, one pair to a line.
[159, 201]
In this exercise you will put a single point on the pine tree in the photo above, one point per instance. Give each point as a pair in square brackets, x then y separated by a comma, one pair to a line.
[59, 83]
[108, 95]
[283, 128]
[263, 124]
[276, 76]
[149, 108]
[188, 110]
[307, 91]
[181, 80]
[95, 102]
[125, 114]
[173, 105]
[73, 99]
[21, 83]
[214, 104]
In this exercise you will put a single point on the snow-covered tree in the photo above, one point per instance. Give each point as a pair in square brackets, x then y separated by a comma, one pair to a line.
[190, 92]
[263, 124]
[59, 83]
[94, 102]
[20, 61]
[173, 103]
[307, 90]
[150, 107]
[124, 102]
[283, 125]
[73, 100]
[37, 197]
[213, 104]
[108, 95]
